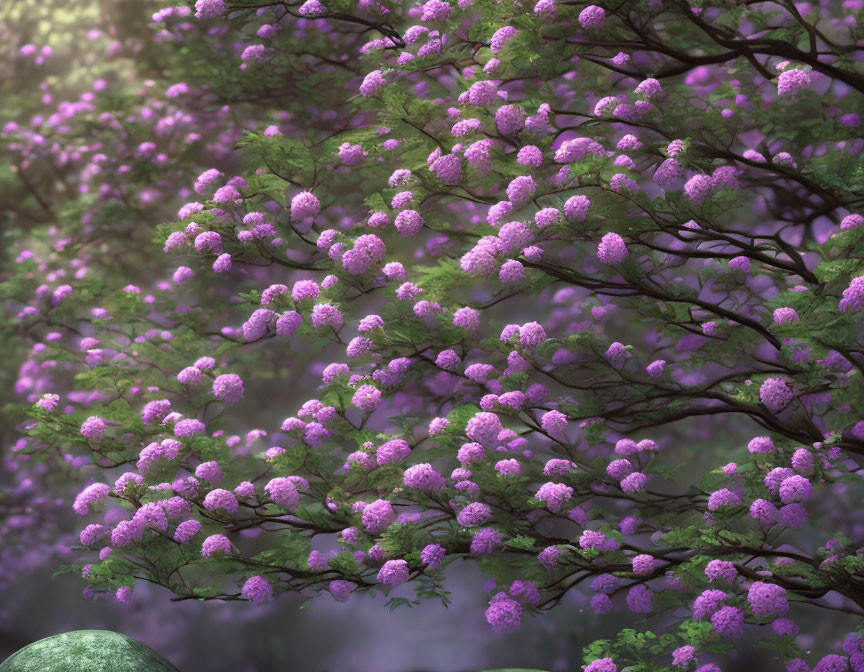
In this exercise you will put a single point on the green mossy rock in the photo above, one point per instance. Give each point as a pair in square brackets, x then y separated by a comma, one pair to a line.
[87, 651]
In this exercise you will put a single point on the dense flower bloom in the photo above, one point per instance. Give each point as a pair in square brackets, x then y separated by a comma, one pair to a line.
[501, 37]
[483, 428]
[728, 621]
[89, 497]
[767, 599]
[305, 205]
[93, 428]
[853, 296]
[228, 388]
[852, 221]
[393, 573]
[433, 555]
[521, 190]
[283, 492]
[208, 9]
[698, 188]
[723, 498]
[475, 513]
[423, 477]
[188, 427]
[775, 394]
[366, 398]
[392, 451]
[634, 482]
[504, 613]
[256, 589]
[378, 516]
[639, 599]
[784, 315]
[792, 81]
[186, 530]
[221, 499]
[720, 569]
[680, 314]
[795, 489]
[612, 249]
[554, 495]
[215, 543]
[592, 17]
[683, 655]
[485, 540]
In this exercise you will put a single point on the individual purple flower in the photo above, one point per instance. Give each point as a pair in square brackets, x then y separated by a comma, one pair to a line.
[634, 483]
[761, 445]
[305, 205]
[639, 599]
[408, 222]
[720, 569]
[423, 477]
[775, 394]
[832, 663]
[698, 188]
[208, 9]
[372, 83]
[366, 398]
[852, 300]
[739, 264]
[504, 613]
[485, 541]
[784, 626]
[283, 492]
[432, 555]
[483, 428]
[256, 589]
[767, 599]
[723, 498]
[728, 622]
[228, 388]
[617, 355]
[392, 451]
[215, 543]
[796, 488]
[378, 516]
[555, 495]
[643, 563]
[221, 499]
[708, 602]
[791, 82]
[612, 249]
[188, 427]
[474, 514]
[852, 221]
[93, 428]
[186, 530]
[89, 497]
[655, 369]
[592, 17]
[802, 461]
[393, 573]
[501, 37]
[683, 655]
[785, 315]
[521, 190]
[509, 119]
[529, 155]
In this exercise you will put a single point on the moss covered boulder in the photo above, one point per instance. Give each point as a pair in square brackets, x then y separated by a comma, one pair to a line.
[87, 651]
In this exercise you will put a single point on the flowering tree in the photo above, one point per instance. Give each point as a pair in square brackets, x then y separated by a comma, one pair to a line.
[667, 196]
